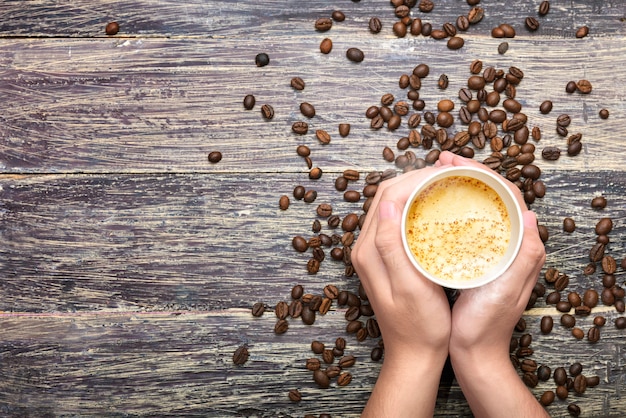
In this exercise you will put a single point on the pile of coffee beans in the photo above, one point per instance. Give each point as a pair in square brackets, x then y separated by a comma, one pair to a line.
[484, 114]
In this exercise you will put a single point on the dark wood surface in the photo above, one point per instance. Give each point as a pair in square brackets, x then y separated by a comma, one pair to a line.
[129, 263]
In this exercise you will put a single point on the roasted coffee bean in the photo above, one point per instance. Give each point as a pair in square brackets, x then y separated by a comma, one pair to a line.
[282, 310]
[597, 252]
[570, 87]
[315, 173]
[560, 376]
[593, 335]
[249, 101]
[317, 347]
[574, 299]
[609, 265]
[546, 324]
[333, 371]
[344, 379]
[620, 323]
[308, 315]
[462, 23]
[327, 356]
[376, 354]
[321, 378]
[262, 59]
[283, 202]
[544, 8]
[281, 326]
[603, 113]
[583, 86]
[573, 409]
[578, 333]
[258, 309]
[297, 83]
[561, 282]
[547, 398]
[455, 42]
[531, 23]
[295, 309]
[530, 379]
[582, 31]
[563, 306]
[347, 361]
[294, 395]
[338, 16]
[215, 157]
[399, 29]
[313, 363]
[323, 24]
[475, 15]
[590, 298]
[598, 202]
[112, 28]
[375, 25]
[355, 54]
[562, 392]
[267, 111]
[604, 226]
[563, 120]
[240, 356]
[544, 373]
[326, 46]
[503, 47]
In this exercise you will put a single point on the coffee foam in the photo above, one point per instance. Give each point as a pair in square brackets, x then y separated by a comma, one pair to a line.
[458, 228]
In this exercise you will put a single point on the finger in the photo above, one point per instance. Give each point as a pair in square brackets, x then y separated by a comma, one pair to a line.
[389, 244]
[409, 181]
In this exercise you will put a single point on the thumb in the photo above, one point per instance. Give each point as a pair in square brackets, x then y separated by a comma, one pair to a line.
[389, 239]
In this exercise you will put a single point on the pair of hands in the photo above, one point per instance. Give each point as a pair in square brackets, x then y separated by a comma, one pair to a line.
[414, 314]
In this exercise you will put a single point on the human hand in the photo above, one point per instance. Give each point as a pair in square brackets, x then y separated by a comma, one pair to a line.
[483, 319]
[486, 315]
[413, 312]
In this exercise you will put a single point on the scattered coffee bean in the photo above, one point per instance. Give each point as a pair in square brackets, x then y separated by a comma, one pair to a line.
[603, 113]
[112, 28]
[297, 83]
[240, 356]
[582, 31]
[258, 309]
[375, 25]
[262, 59]
[267, 111]
[546, 324]
[323, 24]
[215, 157]
[544, 8]
[355, 55]
[573, 409]
[326, 46]
[294, 395]
[283, 202]
[503, 47]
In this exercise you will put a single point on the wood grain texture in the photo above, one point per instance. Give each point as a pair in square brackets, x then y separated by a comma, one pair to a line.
[129, 264]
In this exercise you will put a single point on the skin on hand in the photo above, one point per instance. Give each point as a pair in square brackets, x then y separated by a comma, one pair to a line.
[412, 312]
[418, 327]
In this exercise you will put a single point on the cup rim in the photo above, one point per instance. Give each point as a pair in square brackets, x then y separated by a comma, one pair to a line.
[497, 183]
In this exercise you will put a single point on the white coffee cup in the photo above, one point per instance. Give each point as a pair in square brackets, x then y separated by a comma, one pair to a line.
[462, 227]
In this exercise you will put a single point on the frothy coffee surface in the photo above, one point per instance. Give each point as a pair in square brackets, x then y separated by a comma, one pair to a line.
[458, 228]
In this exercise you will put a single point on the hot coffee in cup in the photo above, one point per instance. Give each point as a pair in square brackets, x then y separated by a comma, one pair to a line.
[462, 227]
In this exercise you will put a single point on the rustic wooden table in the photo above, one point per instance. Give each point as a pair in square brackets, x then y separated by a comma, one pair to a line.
[129, 264]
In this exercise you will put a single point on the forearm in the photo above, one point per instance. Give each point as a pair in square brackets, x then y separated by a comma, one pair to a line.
[491, 385]
[407, 386]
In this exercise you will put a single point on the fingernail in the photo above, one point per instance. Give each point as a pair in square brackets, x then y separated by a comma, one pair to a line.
[387, 210]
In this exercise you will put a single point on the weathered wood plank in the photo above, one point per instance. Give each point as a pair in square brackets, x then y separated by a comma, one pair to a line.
[173, 363]
[49, 18]
[149, 105]
[192, 241]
